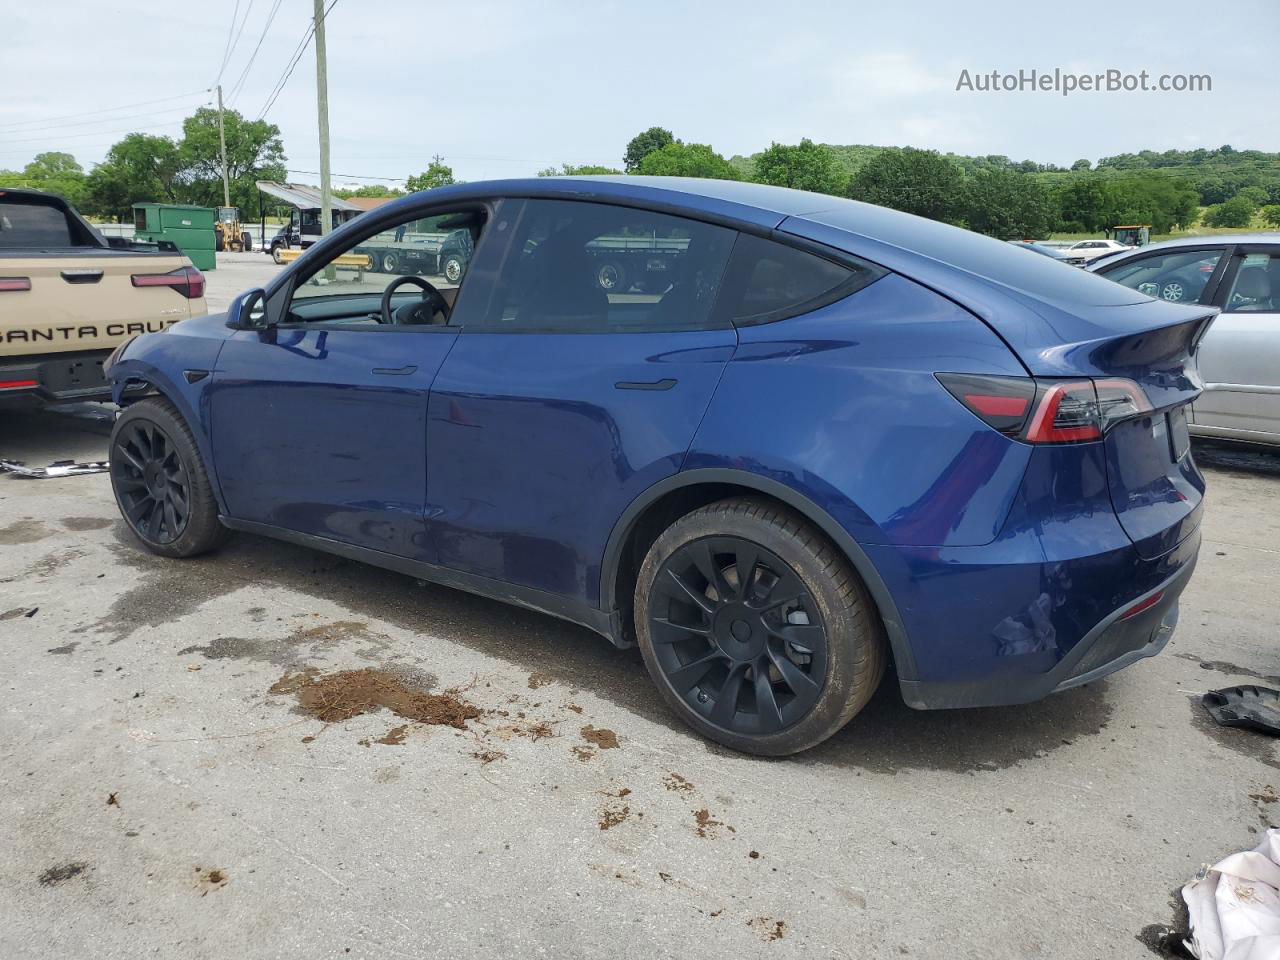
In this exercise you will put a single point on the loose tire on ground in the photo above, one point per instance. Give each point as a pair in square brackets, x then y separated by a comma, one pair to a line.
[160, 483]
[687, 620]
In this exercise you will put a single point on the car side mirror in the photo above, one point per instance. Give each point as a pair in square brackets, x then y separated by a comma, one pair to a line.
[248, 311]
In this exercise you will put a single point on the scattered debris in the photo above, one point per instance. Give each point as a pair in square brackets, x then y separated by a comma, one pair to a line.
[768, 929]
[308, 739]
[487, 757]
[349, 693]
[66, 649]
[612, 815]
[1256, 708]
[1234, 906]
[61, 873]
[17, 612]
[664, 877]
[211, 879]
[59, 468]
[583, 753]
[574, 707]
[604, 739]
[716, 913]
[754, 854]
[113, 799]
[708, 826]
[677, 783]
[537, 680]
[395, 736]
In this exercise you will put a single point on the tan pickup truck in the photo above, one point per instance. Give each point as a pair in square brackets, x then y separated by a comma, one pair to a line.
[69, 296]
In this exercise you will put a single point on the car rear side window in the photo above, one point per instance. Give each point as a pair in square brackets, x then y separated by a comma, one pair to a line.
[25, 225]
[769, 281]
[580, 267]
[1176, 276]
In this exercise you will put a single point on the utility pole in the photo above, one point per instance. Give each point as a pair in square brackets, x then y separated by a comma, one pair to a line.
[322, 107]
[222, 148]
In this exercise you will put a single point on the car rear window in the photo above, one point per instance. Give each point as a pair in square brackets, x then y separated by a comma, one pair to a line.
[25, 225]
[769, 281]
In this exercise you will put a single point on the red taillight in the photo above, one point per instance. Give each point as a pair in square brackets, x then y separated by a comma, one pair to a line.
[17, 384]
[188, 281]
[1048, 411]
[1142, 605]
[14, 283]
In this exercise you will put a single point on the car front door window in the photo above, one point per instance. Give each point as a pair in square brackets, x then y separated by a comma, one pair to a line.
[1178, 277]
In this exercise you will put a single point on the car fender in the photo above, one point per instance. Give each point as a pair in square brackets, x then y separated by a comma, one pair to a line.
[180, 369]
[903, 658]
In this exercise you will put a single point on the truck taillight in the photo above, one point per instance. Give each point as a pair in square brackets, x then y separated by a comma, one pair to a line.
[188, 281]
[1048, 411]
[11, 284]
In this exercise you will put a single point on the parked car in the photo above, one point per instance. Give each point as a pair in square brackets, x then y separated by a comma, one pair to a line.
[837, 435]
[1239, 358]
[1053, 253]
[69, 296]
[1092, 249]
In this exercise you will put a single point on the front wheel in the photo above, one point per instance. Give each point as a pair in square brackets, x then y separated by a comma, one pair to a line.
[755, 629]
[276, 253]
[453, 268]
[160, 483]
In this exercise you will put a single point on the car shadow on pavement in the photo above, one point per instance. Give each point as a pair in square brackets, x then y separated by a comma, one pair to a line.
[885, 738]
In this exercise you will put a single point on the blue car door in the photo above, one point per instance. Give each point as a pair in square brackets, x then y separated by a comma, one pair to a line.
[580, 384]
[319, 423]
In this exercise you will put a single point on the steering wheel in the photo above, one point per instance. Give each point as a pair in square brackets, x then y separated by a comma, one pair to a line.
[413, 313]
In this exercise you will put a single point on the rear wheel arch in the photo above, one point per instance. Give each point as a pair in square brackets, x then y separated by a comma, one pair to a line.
[668, 500]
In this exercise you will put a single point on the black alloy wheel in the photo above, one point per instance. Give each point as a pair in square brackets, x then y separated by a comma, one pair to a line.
[151, 482]
[738, 636]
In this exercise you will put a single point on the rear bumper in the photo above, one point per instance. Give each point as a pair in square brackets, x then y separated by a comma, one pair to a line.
[54, 377]
[1113, 644]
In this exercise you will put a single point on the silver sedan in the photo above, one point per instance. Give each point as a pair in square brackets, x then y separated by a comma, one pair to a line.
[1240, 355]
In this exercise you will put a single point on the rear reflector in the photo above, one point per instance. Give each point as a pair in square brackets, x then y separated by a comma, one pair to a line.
[1048, 411]
[188, 281]
[1142, 605]
[14, 283]
[18, 384]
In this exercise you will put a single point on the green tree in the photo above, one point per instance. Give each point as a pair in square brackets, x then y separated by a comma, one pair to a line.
[1009, 205]
[1081, 165]
[687, 160]
[140, 168]
[254, 152]
[1270, 214]
[1236, 212]
[437, 174]
[368, 190]
[57, 173]
[915, 181]
[643, 144]
[583, 170]
[1257, 194]
[803, 166]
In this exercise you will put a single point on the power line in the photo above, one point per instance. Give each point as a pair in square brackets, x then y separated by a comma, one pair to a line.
[89, 113]
[226, 47]
[297, 55]
[87, 123]
[349, 176]
[244, 74]
[98, 133]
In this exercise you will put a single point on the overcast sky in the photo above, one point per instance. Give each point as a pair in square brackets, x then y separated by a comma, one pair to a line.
[506, 88]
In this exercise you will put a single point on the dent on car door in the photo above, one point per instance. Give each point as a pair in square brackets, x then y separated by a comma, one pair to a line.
[1240, 355]
[578, 388]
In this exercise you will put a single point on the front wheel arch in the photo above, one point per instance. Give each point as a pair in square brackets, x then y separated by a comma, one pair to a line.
[684, 492]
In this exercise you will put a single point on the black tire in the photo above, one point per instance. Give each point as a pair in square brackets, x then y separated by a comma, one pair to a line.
[155, 469]
[246, 243]
[218, 243]
[374, 266]
[611, 277]
[388, 263]
[453, 268]
[276, 248]
[846, 645]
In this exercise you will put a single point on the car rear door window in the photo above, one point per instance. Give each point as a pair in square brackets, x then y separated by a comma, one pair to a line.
[769, 281]
[597, 268]
[33, 225]
[1179, 277]
[1256, 287]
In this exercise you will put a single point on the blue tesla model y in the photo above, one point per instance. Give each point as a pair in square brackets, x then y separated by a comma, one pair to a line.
[780, 440]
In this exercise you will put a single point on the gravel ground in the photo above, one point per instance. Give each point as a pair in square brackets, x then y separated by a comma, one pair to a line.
[163, 793]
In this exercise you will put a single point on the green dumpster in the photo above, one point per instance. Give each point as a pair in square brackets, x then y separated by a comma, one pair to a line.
[188, 227]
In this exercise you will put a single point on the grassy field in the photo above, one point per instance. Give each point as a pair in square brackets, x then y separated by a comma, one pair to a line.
[1199, 230]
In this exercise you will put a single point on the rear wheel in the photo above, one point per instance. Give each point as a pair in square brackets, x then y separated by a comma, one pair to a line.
[160, 483]
[276, 254]
[755, 629]
[611, 277]
[453, 268]
[1175, 291]
[389, 263]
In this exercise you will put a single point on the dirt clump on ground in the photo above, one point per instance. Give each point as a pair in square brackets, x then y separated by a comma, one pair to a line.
[583, 753]
[395, 736]
[676, 783]
[62, 872]
[336, 697]
[537, 680]
[768, 929]
[211, 879]
[613, 814]
[604, 739]
[707, 826]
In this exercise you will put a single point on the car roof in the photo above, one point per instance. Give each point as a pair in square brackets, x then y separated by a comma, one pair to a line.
[1212, 240]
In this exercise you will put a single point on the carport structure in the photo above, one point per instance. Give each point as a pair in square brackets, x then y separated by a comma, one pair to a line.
[304, 219]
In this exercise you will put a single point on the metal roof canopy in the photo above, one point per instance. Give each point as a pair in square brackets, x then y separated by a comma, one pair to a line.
[303, 197]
